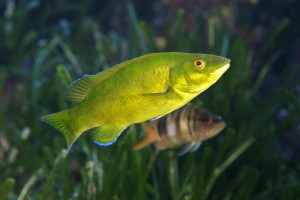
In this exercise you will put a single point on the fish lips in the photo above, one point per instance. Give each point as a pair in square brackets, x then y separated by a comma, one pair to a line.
[222, 70]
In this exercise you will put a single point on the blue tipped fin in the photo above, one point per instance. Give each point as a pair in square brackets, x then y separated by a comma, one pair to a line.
[105, 136]
[82, 87]
[61, 122]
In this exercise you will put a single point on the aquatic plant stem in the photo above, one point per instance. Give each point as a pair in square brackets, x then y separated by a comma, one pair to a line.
[151, 163]
[219, 170]
[30, 182]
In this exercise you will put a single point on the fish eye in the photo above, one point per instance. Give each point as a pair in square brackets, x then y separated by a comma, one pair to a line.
[199, 64]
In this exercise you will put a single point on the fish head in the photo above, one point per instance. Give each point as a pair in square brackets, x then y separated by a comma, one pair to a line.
[207, 125]
[200, 71]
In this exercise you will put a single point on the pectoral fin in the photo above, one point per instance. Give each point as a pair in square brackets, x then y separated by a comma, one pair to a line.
[105, 136]
[168, 91]
[196, 147]
[158, 100]
[189, 148]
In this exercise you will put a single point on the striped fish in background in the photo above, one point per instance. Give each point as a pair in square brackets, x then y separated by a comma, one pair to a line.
[187, 126]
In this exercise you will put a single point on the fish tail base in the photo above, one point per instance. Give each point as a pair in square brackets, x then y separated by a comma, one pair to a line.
[151, 136]
[61, 122]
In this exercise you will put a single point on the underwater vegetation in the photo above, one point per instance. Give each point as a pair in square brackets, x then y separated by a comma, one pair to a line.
[45, 46]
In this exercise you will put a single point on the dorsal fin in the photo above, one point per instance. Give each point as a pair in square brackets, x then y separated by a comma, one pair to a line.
[82, 87]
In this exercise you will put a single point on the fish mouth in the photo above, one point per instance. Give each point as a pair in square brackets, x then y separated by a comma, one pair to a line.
[220, 126]
[222, 69]
[217, 128]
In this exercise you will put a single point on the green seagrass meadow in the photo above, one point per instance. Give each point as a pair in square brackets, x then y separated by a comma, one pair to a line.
[46, 45]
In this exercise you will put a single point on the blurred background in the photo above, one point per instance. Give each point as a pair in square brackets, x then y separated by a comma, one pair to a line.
[45, 45]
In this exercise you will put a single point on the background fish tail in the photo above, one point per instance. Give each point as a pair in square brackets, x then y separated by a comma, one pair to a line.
[151, 136]
[62, 122]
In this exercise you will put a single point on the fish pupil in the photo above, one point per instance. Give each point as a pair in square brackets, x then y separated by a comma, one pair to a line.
[198, 63]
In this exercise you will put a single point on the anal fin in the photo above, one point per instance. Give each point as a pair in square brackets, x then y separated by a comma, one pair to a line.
[105, 136]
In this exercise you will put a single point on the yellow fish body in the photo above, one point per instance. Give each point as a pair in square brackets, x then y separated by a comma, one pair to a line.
[188, 126]
[135, 91]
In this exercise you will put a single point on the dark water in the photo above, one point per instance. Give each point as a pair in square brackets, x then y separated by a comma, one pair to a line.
[46, 45]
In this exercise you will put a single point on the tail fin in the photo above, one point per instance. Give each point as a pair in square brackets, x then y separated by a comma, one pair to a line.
[61, 121]
[143, 143]
[151, 136]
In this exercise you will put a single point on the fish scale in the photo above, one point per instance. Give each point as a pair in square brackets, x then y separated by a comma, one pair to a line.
[135, 91]
[188, 126]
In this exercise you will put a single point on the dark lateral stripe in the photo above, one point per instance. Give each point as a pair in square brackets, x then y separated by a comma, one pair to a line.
[177, 119]
[189, 122]
[196, 112]
[162, 127]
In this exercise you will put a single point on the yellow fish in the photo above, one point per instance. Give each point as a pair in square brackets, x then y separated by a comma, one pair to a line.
[134, 91]
[188, 126]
